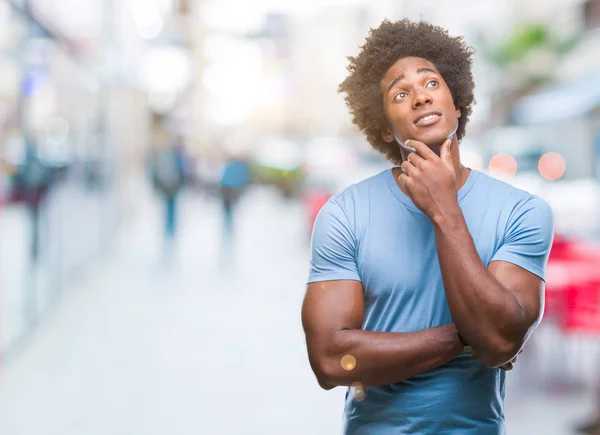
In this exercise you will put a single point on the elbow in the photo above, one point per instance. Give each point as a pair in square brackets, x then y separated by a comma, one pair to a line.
[324, 372]
[326, 364]
[499, 354]
[493, 361]
[327, 376]
[325, 384]
[329, 373]
[502, 347]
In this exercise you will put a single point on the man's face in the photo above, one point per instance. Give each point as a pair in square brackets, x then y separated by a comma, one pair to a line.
[417, 103]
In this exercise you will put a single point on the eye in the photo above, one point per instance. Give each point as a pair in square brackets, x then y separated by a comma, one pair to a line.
[400, 96]
[432, 84]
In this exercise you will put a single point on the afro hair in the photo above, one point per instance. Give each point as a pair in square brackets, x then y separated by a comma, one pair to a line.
[384, 46]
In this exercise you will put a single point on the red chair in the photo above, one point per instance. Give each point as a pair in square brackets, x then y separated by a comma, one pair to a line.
[573, 285]
[582, 311]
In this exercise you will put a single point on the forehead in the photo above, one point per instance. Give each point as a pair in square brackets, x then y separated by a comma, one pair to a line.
[405, 65]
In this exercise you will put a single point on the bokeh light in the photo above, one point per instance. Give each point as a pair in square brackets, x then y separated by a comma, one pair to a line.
[471, 159]
[360, 391]
[348, 362]
[503, 166]
[552, 166]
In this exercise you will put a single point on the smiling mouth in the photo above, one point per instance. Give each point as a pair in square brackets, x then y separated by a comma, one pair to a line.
[427, 118]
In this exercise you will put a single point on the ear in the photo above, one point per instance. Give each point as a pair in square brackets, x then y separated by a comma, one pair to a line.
[386, 134]
[458, 112]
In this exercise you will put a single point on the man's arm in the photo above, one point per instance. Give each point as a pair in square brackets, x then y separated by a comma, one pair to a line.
[496, 308]
[332, 317]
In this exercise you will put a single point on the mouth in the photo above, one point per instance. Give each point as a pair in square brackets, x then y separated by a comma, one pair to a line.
[428, 118]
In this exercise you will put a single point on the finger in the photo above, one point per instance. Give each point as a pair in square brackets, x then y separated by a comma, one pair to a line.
[408, 168]
[446, 150]
[405, 146]
[421, 149]
[403, 178]
[416, 160]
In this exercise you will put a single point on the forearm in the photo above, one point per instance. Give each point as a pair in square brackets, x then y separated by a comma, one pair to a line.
[488, 316]
[383, 358]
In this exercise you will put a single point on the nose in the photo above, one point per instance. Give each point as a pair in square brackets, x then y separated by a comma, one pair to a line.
[421, 98]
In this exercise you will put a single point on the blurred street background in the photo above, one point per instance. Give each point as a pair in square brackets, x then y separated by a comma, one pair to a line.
[161, 165]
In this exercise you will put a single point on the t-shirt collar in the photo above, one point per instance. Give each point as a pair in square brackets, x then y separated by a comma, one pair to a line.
[404, 199]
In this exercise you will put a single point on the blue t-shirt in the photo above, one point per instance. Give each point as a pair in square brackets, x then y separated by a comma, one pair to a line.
[236, 174]
[373, 233]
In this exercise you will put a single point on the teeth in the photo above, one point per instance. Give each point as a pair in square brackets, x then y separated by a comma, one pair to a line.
[428, 117]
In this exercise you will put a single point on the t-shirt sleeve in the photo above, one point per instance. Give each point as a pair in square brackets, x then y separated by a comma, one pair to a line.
[529, 236]
[333, 246]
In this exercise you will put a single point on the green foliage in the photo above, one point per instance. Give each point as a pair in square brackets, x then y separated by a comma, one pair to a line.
[267, 175]
[522, 41]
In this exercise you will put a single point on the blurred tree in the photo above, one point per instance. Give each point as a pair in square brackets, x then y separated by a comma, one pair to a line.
[527, 58]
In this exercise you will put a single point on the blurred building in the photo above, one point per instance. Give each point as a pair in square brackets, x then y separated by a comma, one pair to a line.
[76, 82]
[85, 78]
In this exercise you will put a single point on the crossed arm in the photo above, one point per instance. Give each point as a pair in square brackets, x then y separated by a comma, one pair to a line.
[494, 318]
[332, 316]
[495, 309]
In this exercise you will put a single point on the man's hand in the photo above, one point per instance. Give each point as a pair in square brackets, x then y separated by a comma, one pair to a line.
[509, 365]
[429, 180]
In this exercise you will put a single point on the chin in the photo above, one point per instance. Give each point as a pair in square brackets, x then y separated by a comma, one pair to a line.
[435, 135]
[433, 140]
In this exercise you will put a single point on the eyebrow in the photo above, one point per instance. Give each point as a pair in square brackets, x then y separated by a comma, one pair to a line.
[419, 71]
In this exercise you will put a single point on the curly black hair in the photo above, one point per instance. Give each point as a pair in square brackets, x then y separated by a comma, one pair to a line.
[384, 46]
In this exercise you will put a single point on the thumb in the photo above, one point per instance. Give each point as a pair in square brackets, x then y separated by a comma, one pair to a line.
[446, 151]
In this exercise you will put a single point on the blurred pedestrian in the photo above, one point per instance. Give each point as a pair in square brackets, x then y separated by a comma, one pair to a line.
[32, 181]
[427, 279]
[168, 177]
[234, 180]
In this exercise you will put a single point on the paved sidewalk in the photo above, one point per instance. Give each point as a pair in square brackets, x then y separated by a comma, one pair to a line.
[198, 345]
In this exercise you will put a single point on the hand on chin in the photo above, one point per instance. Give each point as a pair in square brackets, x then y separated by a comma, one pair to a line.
[435, 144]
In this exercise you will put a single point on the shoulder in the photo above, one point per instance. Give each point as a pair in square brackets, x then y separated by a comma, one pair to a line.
[345, 214]
[507, 194]
[357, 195]
[512, 204]
[496, 186]
[523, 211]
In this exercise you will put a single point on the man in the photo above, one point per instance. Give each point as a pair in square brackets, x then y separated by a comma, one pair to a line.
[33, 180]
[426, 280]
[234, 180]
[168, 178]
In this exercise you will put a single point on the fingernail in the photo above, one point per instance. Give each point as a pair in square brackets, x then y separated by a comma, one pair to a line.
[408, 147]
